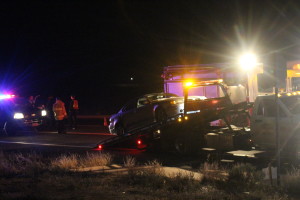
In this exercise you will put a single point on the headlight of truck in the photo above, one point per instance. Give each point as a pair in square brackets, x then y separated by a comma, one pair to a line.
[18, 116]
[44, 113]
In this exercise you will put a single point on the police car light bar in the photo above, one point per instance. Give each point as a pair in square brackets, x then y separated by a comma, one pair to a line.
[6, 96]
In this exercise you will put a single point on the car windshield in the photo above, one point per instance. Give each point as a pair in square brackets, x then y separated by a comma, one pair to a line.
[292, 103]
[153, 97]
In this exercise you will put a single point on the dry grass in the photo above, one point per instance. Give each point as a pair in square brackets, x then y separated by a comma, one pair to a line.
[21, 164]
[73, 161]
[30, 176]
[96, 159]
[66, 162]
[212, 171]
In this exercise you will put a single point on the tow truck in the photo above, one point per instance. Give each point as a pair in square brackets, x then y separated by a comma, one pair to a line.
[248, 123]
[192, 130]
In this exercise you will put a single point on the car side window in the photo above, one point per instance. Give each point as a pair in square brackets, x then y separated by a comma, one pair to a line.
[142, 102]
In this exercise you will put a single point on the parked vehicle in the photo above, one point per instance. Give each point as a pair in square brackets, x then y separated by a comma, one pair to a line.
[16, 115]
[263, 123]
[144, 110]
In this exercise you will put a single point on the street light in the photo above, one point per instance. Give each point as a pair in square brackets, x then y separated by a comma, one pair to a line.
[248, 61]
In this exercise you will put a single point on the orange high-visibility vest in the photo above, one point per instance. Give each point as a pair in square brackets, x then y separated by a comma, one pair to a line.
[59, 110]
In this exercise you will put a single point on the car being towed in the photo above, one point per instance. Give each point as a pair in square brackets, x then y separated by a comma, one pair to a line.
[145, 110]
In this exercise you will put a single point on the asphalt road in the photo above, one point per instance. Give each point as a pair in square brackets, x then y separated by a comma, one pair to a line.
[49, 141]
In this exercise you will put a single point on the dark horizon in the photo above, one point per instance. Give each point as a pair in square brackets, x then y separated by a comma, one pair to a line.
[94, 49]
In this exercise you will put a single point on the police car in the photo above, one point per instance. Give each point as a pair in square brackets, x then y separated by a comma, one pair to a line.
[17, 116]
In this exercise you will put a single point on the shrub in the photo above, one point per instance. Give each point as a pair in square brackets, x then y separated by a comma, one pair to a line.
[129, 162]
[183, 182]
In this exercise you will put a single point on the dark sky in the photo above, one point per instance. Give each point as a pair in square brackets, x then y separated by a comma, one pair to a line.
[93, 48]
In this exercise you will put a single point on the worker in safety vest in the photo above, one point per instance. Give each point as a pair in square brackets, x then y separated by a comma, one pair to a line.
[60, 114]
[73, 111]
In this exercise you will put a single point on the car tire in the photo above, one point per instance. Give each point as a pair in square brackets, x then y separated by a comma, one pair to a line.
[120, 131]
[160, 116]
[9, 129]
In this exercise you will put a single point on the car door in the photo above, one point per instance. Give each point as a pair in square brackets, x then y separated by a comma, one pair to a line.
[145, 111]
[128, 114]
[135, 113]
[263, 123]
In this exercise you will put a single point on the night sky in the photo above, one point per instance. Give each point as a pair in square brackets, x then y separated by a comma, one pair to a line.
[93, 48]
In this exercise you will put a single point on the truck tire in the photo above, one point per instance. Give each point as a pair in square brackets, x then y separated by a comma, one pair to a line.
[189, 141]
[160, 116]
[184, 144]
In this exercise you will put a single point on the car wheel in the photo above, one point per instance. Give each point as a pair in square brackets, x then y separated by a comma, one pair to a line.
[10, 129]
[160, 116]
[120, 130]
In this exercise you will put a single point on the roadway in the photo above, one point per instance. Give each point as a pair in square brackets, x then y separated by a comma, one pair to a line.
[48, 141]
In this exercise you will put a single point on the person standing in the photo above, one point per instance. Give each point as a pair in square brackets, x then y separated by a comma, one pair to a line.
[31, 102]
[60, 114]
[73, 111]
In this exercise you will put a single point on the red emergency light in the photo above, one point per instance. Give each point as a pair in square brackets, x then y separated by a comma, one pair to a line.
[139, 142]
[100, 147]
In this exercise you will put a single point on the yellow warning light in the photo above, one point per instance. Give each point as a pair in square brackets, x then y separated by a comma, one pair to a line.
[186, 117]
[289, 94]
[298, 92]
[294, 93]
[179, 119]
[173, 102]
[188, 84]
[279, 95]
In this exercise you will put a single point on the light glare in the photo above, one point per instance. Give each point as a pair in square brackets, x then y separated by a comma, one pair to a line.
[248, 61]
[18, 116]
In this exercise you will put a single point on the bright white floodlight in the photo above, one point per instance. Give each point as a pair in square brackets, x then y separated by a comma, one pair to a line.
[248, 61]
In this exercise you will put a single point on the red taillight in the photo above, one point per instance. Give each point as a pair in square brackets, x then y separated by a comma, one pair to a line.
[100, 147]
[139, 141]
[215, 102]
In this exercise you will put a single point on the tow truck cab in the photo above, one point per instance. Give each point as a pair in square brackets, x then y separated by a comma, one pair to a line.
[17, 116]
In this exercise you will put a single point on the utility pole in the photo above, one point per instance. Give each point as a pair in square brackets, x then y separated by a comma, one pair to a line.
[276, 73]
